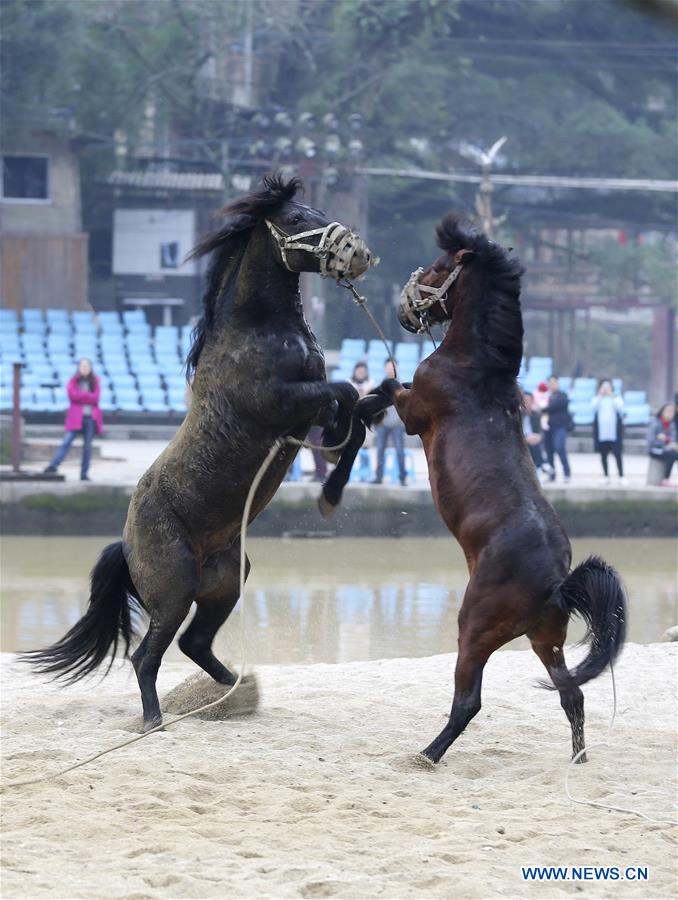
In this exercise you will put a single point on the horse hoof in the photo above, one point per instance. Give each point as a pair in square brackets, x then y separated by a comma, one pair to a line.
[150, 725]
[422, 761]
[326, 508]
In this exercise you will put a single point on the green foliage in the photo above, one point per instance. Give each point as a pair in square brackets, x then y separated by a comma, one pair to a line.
[83, 501]
[636, 270]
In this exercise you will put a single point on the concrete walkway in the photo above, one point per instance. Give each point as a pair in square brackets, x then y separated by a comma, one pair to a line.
[124, 462]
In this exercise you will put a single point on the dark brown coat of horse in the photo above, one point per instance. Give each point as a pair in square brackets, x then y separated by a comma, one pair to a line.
[465, 405]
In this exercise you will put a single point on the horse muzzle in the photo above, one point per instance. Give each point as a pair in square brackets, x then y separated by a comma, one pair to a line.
[416, 299]
[341, 252]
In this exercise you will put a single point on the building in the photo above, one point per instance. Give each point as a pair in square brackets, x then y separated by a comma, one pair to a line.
[43, 250]
[157, 219]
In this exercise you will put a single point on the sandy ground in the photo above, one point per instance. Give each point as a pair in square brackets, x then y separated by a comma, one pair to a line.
[317, 793]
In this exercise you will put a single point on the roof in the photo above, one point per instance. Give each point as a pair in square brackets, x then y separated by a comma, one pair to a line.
[168, 181]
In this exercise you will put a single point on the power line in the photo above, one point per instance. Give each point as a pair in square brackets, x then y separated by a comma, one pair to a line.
[545, 181]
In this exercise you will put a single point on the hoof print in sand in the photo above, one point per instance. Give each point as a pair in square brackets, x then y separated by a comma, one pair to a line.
[200, 689]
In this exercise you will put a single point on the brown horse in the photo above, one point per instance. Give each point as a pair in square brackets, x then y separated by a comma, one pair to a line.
[465, 405]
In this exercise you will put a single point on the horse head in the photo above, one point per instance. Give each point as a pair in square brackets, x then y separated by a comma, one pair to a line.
[428, 296]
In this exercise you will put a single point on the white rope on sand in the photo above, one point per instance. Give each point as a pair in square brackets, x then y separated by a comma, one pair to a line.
[582, 801]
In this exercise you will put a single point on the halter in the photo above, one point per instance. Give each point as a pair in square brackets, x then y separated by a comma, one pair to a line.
[342, 253]
[416, 299]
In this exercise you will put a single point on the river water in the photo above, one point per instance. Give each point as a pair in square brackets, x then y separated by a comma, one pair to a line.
[325, 601]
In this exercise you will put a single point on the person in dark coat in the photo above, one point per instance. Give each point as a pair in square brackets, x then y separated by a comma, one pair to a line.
[608, 426]
[662, 438]
[559, 421]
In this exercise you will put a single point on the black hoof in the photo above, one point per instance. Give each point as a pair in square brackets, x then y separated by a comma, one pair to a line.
[423, 761]
[152, 723]
[326, 508]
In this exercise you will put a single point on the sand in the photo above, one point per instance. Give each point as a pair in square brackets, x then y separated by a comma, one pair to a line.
[316, 794]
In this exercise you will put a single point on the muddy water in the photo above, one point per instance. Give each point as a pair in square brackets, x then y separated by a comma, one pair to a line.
[325, 600]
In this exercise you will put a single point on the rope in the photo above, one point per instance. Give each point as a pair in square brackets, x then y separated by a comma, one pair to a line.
[362, 303]
[606, 743]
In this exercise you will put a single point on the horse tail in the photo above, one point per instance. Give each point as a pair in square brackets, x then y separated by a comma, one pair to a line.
[333, 488]
[595, 592]
[113, 599]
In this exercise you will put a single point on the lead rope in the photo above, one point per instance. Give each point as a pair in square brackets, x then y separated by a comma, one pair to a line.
[362, 303]
[606, 743]
[278, 445]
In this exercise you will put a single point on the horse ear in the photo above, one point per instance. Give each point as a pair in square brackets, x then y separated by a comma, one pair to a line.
[463, 256]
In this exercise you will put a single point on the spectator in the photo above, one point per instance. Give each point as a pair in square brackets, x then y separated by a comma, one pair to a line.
[608, 429]
[540, 398]
[393, 428]
[533, 434]
[83, 415]
[559, 423]
[360, 379]
[662, 439]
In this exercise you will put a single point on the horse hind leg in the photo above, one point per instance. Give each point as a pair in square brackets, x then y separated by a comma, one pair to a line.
[168, 602]
[547, 642]
[219, 593]
[477, 642]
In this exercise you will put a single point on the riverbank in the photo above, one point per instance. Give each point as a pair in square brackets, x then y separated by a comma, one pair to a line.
[317, 793]
[79, 508]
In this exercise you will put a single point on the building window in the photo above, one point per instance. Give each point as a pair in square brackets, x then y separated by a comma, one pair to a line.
[169, 255]
[25, 178]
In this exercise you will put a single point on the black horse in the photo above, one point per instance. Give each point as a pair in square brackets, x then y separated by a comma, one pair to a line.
[257, 374]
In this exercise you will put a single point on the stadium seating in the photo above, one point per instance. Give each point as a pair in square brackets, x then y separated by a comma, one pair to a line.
[142, 369]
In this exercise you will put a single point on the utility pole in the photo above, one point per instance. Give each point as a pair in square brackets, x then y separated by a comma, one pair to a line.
[484, 195]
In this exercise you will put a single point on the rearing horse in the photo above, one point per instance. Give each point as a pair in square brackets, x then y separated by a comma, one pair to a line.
[465, 405]
[259, 374]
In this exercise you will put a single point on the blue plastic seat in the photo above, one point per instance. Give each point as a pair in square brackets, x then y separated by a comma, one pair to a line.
[140, 351]
[176, 396]
[166, 336]
[148, 380]
[170, 366]
[57, 315]
[582, 412]
[134, 317]
[635, 398]
[33, 343]
[122, 381]
[128, 400]
[6, 397]
[34, 317]
[637, 414]
[40, 399]
[154, 400]
[406, 370]
[340, 374]
[427, 349]
[116, 366]
[407, 352]
[109, 318]
[565, 383]
[8, 315]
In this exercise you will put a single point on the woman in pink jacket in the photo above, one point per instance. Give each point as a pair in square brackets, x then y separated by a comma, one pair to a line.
[83, 415]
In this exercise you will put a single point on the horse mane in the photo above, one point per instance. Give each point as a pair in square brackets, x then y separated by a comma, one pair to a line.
[228, 243]
[499, 321]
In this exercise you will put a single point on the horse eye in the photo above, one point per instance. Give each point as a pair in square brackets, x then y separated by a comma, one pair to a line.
[296, 219]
